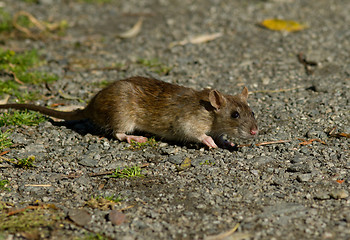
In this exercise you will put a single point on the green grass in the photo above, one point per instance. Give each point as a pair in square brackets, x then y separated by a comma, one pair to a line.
[18, 118]
[5, 21]
[3, 185]
[20, 66]
[26, 162]
[128, 172]
[23, 162]
[4, 140]
[155, 65]
[114, 198]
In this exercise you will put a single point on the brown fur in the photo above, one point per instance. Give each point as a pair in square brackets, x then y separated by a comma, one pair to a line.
[167, 110]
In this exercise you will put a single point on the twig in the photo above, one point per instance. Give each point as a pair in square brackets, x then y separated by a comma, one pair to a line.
[42, 26]
[41, 206]
[12, 74]
[307, 64]
[4, 152]
[332, 134]
[307, 142]
[37, 185]
[272, 142]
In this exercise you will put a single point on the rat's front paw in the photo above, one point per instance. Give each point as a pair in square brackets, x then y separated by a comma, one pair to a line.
[207, 140]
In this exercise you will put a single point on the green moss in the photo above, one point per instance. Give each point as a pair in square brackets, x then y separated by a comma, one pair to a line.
[28, 220]
[207, 162]
[5, 21]
[151, 142]
[26, 162]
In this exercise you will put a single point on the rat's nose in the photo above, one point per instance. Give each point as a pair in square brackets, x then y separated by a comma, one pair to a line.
[253, 131]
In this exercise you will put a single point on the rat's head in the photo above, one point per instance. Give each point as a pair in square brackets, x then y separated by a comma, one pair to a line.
[233, 116]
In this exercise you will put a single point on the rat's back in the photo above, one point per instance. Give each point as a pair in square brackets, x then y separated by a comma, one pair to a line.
[148, 105]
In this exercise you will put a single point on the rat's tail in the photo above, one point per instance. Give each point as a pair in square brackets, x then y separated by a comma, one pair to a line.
[78, 114]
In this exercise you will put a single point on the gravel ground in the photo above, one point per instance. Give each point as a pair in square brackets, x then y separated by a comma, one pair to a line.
[274, 191]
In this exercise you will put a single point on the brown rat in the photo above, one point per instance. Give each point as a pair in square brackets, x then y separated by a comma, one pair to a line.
[169, 111]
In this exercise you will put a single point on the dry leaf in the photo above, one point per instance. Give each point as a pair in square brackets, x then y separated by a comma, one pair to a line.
[197, 39]
[116, 217]
[283, 25]
[132, 32]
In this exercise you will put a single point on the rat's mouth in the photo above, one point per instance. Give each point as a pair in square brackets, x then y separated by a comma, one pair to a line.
[248, 134]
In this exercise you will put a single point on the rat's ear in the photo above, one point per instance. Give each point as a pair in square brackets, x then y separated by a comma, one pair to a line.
[216, 99]
[245, 93]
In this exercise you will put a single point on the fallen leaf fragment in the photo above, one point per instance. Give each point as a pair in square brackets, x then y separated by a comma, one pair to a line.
[116, 217]
[197, 39]
[132, 32]
[282, 25]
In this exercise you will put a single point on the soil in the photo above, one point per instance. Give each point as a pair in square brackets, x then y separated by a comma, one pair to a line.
[281, 190]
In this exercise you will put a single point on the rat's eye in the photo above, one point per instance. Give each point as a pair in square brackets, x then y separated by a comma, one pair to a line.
[253, 114]
[235, 114]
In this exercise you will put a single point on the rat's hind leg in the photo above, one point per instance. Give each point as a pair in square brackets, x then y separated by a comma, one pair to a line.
[129, 138]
